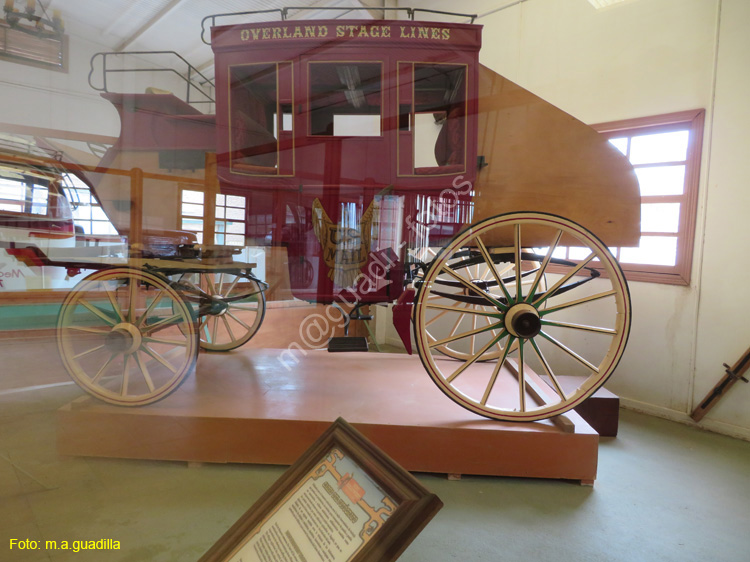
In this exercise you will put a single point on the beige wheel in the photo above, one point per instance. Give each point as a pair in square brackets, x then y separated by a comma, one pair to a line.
[126, 337]
[529, 352]
[230, 308]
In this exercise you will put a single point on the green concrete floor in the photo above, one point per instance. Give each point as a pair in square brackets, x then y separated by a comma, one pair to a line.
[664, 492]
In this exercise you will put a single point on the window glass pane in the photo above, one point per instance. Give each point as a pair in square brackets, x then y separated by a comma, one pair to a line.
[219, 238]
[621, 144]
[659, 147]
[192, 224]
[660, 217]
[343, 97]
[236, 214]
[220, 199]
[98, 214]
[235, 227]
[12, 190]
[80, 196]
[39, 200]
[98, 227]
[235, 240]
[235, 201]
[653, 250]
[82, 213]
[356, 125]
[220, 212]
[189, 196]
[661, 180]
[190, 210]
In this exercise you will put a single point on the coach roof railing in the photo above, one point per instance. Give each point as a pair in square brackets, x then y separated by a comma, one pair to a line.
[284, 13]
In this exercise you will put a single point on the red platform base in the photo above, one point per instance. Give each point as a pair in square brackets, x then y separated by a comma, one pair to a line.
[246, 407]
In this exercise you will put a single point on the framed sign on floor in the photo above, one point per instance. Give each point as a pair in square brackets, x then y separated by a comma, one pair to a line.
[343, 500]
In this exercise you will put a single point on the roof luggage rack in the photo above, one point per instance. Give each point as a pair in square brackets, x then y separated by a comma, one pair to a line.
[284, 13]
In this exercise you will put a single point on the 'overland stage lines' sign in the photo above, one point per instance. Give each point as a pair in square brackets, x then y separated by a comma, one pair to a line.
[348, 31]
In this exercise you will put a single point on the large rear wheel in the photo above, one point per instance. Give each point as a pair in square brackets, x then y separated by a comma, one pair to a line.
[522, 351]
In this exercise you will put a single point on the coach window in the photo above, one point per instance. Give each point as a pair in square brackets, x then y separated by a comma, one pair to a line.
[439, 118]
[345, 99]
[253, 118]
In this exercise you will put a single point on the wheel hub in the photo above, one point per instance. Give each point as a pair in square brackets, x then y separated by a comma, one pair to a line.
[522, 321]
[218, 306]
[124, 338]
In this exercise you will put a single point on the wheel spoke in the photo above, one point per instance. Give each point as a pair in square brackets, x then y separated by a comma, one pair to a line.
[517, 253]
[210, 282]
[215, 331]
[162, 324]
[473, 327]
[233, 285]
[521, 378]
[113, 302]
[89, 351]
[103, 368]
[125, 376]
[252, 307]
[89, 330]
[144, 371]
[437, 316]
[133, 291]
[467, 334]
[473, 358]
[577, 302]
[474, 288]
[570, 352]
[548, 370]
[228, 327]
[240, 322]
[151, 307]
[204, 327]
[96, 311]
[158, 357]
[550, 292]
[152, 339]
[495, 371]
[583, 327]
[221, 283]
[463, 310]
[543, 266]
[491, 265]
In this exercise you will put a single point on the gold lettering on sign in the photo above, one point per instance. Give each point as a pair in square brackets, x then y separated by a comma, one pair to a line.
[348, 31]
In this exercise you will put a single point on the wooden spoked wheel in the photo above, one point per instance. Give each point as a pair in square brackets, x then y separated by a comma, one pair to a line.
[126, 337]
[229, 308]
[531, 352]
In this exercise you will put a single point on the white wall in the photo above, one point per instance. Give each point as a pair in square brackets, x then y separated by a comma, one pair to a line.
[641, 58]
[57, 100]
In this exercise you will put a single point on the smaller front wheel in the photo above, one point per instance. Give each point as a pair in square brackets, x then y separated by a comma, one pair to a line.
[230, 308]
[126, 337]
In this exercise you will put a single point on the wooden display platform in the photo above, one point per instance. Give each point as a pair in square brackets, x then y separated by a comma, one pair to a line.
[246, 407]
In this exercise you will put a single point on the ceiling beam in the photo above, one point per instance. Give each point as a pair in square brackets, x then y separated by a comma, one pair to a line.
[148, 25]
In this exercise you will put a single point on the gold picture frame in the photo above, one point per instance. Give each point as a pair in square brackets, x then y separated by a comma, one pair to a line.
[343, 500]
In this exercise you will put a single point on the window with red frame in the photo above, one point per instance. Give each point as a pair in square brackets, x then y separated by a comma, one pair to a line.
[665, 152]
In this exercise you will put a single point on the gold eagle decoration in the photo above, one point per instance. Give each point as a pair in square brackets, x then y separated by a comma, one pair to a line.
[345, 249]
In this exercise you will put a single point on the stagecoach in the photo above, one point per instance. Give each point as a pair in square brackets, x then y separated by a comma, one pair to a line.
[392, 167]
